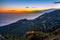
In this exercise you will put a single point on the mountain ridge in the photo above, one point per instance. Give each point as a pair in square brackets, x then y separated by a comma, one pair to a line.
[43, 23]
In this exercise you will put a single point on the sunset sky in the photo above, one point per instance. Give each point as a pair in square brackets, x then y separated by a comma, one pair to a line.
[27, 5]
[23, 6]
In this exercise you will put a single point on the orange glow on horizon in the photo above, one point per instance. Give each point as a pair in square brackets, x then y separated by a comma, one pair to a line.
[22, 10]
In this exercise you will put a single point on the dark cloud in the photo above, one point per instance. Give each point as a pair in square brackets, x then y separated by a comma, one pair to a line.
[57, 2]
[27, 7]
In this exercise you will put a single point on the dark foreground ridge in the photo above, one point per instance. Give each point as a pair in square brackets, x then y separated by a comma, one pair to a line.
[48, 22]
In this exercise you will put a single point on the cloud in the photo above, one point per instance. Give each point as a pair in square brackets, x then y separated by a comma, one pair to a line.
[27, 7]
[57, 2]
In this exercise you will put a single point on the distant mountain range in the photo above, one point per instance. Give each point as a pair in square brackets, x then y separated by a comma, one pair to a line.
[48, 22]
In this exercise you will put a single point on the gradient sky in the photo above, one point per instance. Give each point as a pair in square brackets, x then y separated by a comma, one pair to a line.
[14, 5]
[21, 4]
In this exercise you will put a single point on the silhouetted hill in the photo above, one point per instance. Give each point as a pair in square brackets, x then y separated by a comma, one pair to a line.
[47, 22]
[50, 21]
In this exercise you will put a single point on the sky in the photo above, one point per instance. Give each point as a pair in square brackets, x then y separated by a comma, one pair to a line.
[23, 5]
[28, 4]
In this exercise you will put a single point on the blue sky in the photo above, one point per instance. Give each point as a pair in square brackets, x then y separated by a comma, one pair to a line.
[28, 3]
